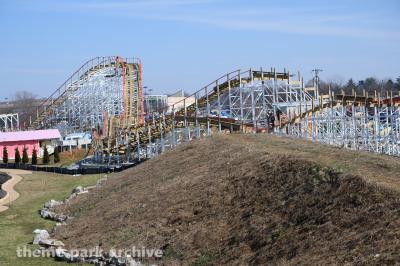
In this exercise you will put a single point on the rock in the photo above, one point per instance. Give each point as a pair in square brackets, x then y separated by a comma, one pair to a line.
[113, 259]
[51, 242]
[46, 214]
[101, 181]
[112, 253]
[93, 260]
[72, 196]
[62, 254]
[77, 190]
[45, 242]
[52, 203]
[58, 243]
[40, 235]
[131, 262]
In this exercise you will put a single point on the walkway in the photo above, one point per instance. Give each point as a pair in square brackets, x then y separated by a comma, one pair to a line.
[9, 186]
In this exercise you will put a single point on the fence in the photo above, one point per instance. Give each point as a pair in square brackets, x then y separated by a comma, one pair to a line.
[66, 171]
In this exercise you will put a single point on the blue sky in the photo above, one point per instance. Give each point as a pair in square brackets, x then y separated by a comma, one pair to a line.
[185, 44]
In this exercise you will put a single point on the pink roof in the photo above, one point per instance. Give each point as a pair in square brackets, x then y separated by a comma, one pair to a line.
[30, 135]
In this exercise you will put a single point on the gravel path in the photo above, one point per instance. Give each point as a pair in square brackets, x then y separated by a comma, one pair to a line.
[9, 187]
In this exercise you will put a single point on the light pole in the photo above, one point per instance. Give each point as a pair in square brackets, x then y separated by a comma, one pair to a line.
[316, 79]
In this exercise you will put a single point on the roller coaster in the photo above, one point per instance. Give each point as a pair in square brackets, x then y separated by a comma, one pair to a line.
[105, 96]
[102, 87]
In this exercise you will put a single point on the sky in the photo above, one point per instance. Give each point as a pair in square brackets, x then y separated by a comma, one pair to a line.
[186, 44]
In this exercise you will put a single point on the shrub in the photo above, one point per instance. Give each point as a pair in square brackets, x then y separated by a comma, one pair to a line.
[5, 155]
[46, 157]
[17, 156]
[25, 158]
[56, 155]
[34, 156]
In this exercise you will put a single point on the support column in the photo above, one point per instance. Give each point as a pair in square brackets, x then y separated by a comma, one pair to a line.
[219, 107]
[208, 112]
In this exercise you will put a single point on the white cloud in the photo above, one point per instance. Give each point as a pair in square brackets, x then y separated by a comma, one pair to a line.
[317, 21]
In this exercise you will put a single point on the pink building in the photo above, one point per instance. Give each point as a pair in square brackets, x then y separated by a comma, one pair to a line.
[28, 139]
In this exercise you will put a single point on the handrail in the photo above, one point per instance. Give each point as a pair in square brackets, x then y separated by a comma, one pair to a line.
[63, 85]
[202, 89]
[227, 77]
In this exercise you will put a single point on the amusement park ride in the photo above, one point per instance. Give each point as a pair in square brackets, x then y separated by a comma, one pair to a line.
[105, 96]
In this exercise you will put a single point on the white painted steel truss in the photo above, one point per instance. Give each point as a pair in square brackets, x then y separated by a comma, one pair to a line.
[9, 122]
[375, 129]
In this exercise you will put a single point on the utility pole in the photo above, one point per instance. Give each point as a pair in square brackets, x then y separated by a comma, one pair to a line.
[316, 80]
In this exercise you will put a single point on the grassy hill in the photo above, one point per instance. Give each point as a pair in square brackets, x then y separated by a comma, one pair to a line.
[248, 199]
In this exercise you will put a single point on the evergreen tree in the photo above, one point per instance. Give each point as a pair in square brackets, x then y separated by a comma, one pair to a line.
[56, 155]
[25, 158]
[371, 85]
[397, 84]
[46, 157]
[17, 156]
[5, 155]
[34, 156]
[389, 84]
[350, 86]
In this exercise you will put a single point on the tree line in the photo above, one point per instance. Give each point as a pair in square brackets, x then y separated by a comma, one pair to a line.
[369, 85]
[23, 103]
[34, 158]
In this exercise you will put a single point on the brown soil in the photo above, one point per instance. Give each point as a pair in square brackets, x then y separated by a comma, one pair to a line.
[248, 200]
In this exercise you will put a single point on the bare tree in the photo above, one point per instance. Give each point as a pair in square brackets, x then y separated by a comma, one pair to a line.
[23, 96]
[324, 86]
[336, 80]
[24, 105]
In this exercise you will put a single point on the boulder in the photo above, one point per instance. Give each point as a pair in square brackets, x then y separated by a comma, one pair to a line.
[57, 243]
[111, 257]
[72, 196]
[64, 255]
[52, 203]
[46, 214]
[101, 181]
[45, 242]
[40, 235]
[131, 262]
[77, 190]
[93, 260]
[51, 242]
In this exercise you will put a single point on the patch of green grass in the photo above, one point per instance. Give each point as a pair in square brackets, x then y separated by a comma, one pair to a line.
[18, 222]
[206, 258]
[122, 235]
[169, 252]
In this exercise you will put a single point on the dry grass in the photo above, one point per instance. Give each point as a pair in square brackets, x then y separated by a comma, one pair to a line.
[68, 157]
[248, 200]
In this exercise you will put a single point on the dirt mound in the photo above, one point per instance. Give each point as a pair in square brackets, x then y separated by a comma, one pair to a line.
[226, 201]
